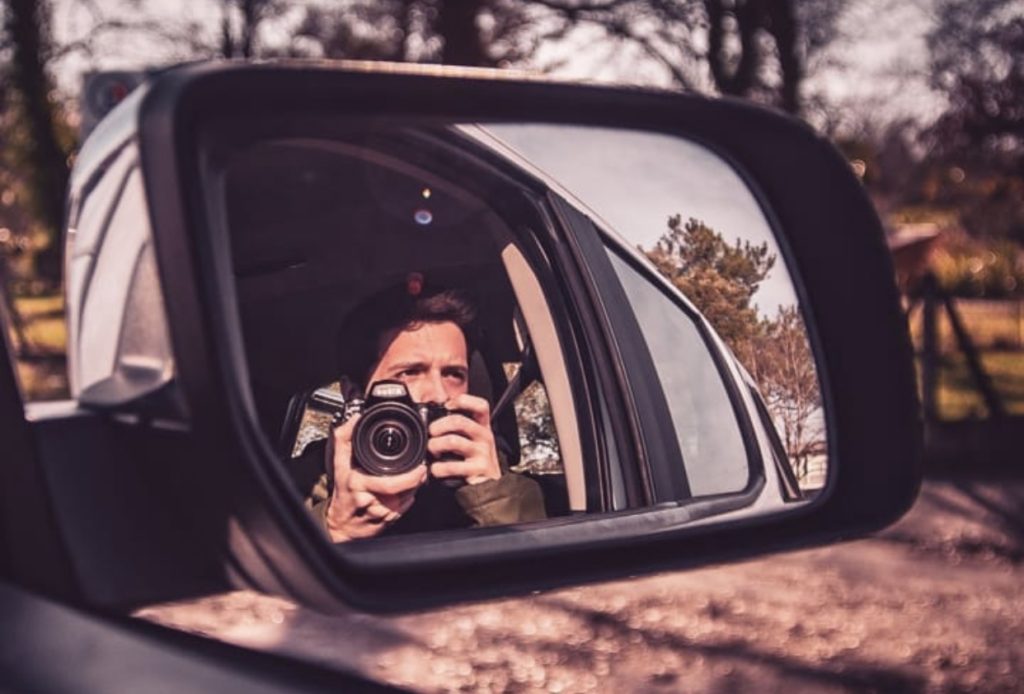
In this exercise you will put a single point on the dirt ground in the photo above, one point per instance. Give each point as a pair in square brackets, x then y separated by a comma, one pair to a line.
[933, 604]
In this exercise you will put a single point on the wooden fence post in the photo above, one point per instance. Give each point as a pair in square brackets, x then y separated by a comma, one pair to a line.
[929, 348]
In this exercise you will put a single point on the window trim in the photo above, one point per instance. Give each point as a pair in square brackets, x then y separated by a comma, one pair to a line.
[755, 459]
[552, 363]
[643, 410]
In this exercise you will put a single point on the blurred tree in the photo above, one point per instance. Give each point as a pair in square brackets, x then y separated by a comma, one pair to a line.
[240, 24]
[977, 163]
[754, 48]
[357, 31]
[538, 439]
[481, 33]
[737, 69]
[759, 49]
[459, 29]
[32, 136]
[487, 33]
[977, 56]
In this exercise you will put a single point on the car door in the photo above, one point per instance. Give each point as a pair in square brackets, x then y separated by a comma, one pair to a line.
[32, 549]
[52, 642]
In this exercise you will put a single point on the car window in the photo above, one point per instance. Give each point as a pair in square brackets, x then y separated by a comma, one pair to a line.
[320, 230]
[696, 217]
[709, 435]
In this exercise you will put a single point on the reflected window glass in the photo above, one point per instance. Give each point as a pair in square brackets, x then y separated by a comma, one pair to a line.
[705, 422]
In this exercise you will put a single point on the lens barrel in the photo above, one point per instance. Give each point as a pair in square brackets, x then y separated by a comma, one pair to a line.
[390, 438]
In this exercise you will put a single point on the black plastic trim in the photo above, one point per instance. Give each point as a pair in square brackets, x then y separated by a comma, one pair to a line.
[51, 647]
[646, 411]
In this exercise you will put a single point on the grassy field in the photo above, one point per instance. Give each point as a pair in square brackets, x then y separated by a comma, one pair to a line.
[41, 360]
[997, 329]
[43, 319]
[991, 324]
[959, 398]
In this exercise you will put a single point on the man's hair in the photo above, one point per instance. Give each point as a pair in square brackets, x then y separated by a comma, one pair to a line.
[385, 314]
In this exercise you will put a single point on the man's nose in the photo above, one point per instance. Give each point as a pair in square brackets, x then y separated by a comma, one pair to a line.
[433, 389]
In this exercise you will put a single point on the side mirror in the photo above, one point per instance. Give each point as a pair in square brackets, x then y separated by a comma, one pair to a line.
[670, 392]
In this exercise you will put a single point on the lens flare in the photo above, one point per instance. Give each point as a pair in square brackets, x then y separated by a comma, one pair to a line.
[423, 217]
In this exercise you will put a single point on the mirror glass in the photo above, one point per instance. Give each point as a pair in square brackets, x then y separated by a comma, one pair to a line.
[429, 337]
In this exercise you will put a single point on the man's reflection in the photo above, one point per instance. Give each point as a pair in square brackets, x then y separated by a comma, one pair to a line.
[422, 339]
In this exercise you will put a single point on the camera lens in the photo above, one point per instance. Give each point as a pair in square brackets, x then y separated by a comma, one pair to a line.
[389, 439]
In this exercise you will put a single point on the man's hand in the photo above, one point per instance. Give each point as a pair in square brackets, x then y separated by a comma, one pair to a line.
[363, 505]
[470, 438]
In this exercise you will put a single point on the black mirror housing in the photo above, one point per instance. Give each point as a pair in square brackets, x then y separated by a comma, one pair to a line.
[824, 224]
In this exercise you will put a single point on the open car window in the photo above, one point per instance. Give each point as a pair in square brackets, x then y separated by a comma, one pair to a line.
[319, 225]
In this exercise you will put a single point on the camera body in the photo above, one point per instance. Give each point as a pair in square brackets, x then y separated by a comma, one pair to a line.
[391, 436]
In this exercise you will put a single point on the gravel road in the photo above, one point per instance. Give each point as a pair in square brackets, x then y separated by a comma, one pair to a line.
[933, 604]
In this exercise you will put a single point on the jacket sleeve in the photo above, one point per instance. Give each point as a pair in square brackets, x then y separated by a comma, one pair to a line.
[512, 498]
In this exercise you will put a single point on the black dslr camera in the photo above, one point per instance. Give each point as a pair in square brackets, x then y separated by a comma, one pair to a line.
[391, 437]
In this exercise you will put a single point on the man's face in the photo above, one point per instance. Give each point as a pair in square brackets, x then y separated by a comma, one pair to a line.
[430, 359]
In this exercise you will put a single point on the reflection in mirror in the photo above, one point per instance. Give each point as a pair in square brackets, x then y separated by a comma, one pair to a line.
[691, 214]
[421, 362]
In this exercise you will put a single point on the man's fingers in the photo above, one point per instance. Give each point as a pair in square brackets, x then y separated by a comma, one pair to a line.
[363, 505]
[452, 443]
[387, 509]
[478, 408]
[389, 484]
[458, 468]
[362, 499]
[341, 439]
[459, 424]
[405, 504]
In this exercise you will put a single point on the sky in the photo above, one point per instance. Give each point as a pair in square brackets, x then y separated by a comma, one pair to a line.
[636, 180]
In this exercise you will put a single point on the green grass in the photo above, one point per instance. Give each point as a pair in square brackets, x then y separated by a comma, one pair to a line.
[36, 306]
[42, 367]
[43, 323]
[43, 380]
[959, 398]
[47, 335]
[995, 324]
[997, 329]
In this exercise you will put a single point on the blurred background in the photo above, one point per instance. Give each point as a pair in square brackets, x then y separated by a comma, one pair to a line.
[925, 99]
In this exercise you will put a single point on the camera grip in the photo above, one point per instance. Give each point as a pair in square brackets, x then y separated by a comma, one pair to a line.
[449, 482]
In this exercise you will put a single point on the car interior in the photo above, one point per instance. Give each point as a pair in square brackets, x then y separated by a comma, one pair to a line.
[317, 225]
